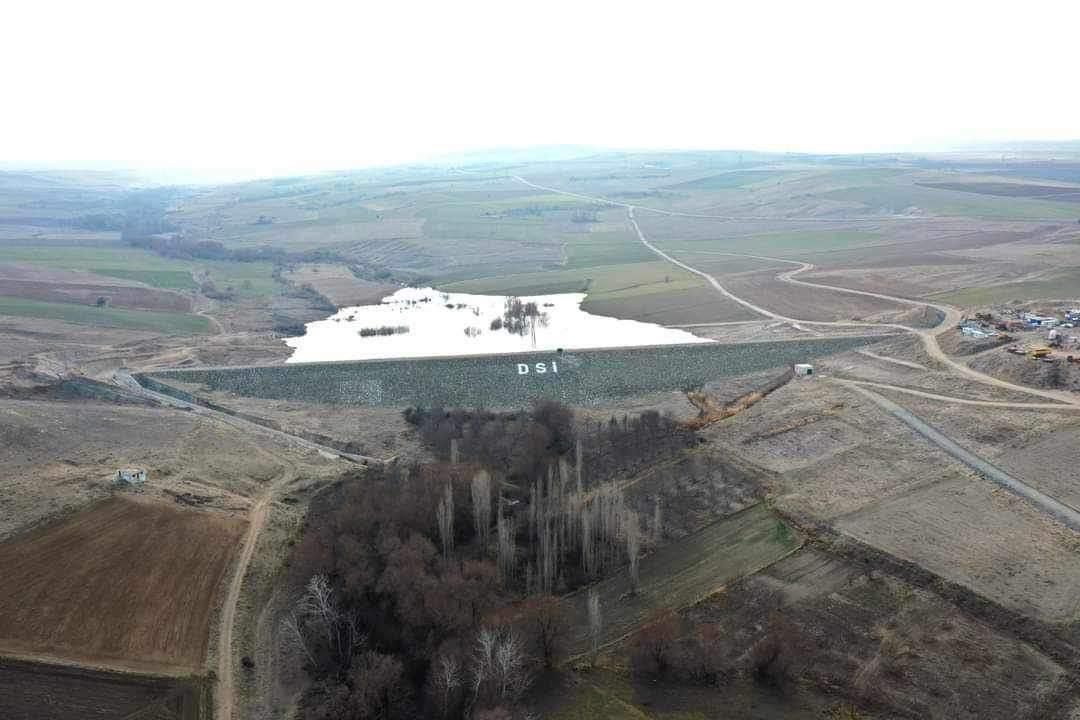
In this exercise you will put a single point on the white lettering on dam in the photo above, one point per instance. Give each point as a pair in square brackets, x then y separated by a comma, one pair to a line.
[539, 368]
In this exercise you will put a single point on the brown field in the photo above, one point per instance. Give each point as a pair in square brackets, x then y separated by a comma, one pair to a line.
[53, 285]
[60, 456]
[974, 533]
[762, 288]
[840, 461]
[127, 583]
[136, 298]
[339, 285]
[32, 691]
[1063, 193]
[692, 305]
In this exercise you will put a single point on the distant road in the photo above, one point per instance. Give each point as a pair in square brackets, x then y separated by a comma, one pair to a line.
[952, 316]
[985, 468]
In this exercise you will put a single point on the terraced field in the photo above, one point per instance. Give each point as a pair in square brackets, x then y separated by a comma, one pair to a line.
[578, 377]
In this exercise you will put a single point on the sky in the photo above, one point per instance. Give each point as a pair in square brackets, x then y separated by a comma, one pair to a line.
[236, 88]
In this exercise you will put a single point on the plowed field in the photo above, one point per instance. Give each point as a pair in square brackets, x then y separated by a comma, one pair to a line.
[127, 584]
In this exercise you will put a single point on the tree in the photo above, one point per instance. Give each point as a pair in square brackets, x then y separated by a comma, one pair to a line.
[655, 644]
[378, 688]
[500, 667]
[444, 515]
[481, 501]
[545, 621]
[595, 621]
[632, 530]
[327, 635]
[445, 683]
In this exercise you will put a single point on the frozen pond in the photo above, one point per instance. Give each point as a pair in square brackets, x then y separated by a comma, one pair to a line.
[423, 322]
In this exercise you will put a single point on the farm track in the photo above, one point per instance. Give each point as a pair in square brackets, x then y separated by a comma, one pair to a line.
[928, 337]
[224, 695]
[1064, 513]
[126, 381]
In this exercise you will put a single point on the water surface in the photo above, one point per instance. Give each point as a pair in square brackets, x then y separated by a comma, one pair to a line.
[423, 322]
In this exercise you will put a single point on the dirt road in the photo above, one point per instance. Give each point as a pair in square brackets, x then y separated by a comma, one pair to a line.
[224, 694]
[126, 381]
[952, 315]
[986, 469]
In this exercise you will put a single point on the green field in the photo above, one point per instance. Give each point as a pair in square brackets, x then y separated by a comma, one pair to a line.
[780, 243]
[729, 180]
[253, 279]
[898, 198]
[161, 322]
[603, 282]
[1063, 287]
[685, 572]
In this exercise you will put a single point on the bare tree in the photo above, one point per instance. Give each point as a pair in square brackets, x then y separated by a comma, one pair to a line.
[318, 622]
[500, 666]
[444, 514]
[632, 531]
[506, 548]
[455, 456]
[578, 452]
[446, 680]
[657, 521]
[481, 500]
[595, 621]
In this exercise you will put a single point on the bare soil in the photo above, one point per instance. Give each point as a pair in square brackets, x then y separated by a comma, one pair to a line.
[693, 305]
[339, 285]
[60, 456]
[804, 303]
[836, 460]
[127, 583]
[981, 536]
[31, 691]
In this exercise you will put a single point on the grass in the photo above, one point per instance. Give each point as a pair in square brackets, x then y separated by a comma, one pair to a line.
[897, 198]
[166, 279]
[1063, 287]
[729, 180]
[781, 243]
[251, 279]
[161, 322]
[682, 573]
[604, 281]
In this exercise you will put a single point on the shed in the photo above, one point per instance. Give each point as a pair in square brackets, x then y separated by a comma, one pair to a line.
[130, 476]
[804, 370]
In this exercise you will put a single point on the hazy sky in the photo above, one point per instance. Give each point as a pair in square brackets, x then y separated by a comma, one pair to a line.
[278, 87]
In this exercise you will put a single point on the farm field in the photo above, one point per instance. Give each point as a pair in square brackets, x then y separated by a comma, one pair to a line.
[581, 377]
[164, 323]
[340, 285]
[27, 690]
[686, 571]
[128, 583]
[1021, 558]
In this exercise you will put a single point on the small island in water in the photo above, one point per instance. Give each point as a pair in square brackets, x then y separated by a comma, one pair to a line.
[424, 322]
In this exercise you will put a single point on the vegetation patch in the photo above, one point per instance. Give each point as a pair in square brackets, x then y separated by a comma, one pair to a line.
[160, 322]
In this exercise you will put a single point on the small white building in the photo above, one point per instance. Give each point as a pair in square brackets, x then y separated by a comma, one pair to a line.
[130, 476]
[803, 370]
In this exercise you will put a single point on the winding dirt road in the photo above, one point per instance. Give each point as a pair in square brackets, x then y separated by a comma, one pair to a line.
[951, 315]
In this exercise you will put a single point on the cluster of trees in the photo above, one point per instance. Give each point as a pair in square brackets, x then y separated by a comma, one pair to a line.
[383, 330]
[401, 610]
[520, 446]
[521, 318]
[431, 590]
